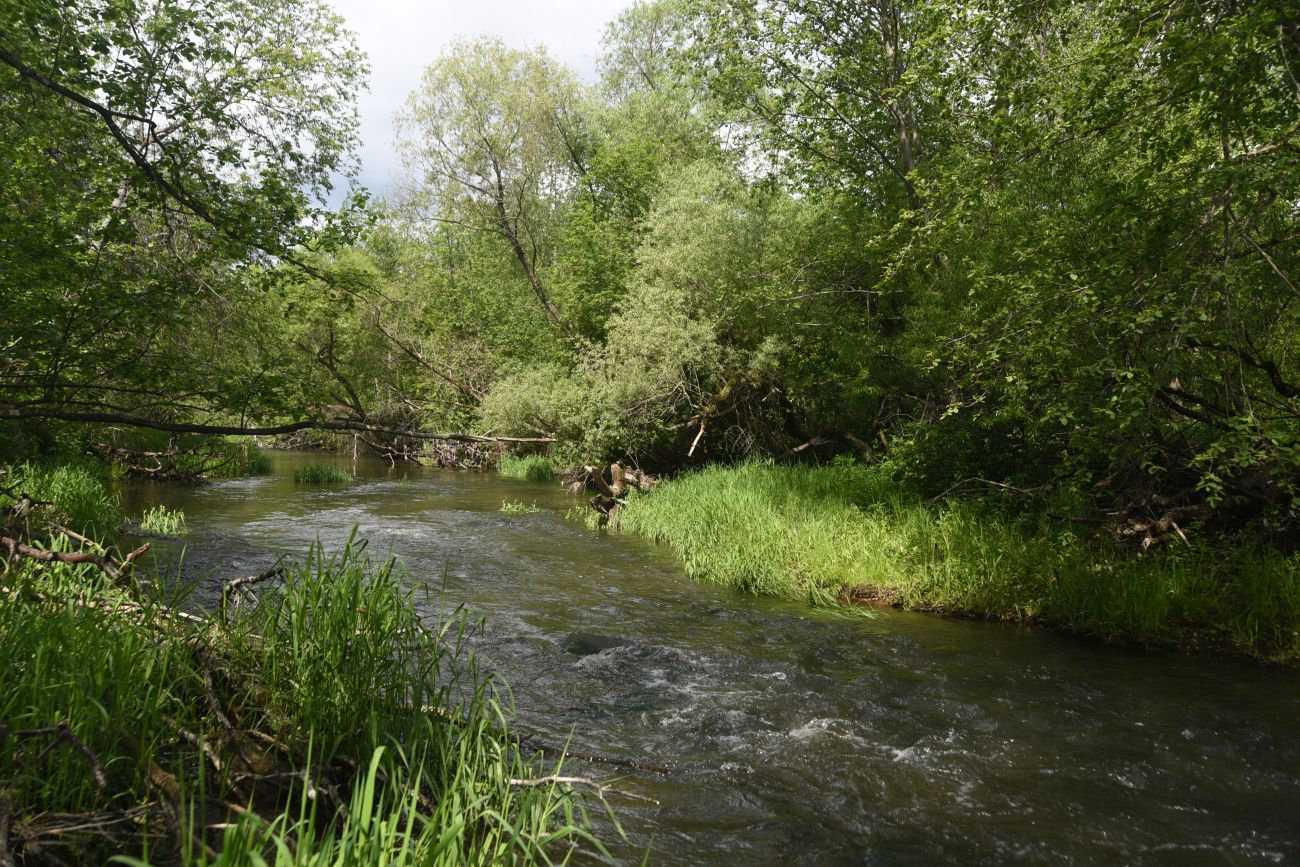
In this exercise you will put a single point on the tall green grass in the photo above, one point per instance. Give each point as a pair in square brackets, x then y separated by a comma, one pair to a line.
[330, 691]
[532, 468]
[836, 534]
[77, 490]
[321, 474]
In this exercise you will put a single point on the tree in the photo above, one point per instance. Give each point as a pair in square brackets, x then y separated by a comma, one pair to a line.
[495, 139]
[152, 154]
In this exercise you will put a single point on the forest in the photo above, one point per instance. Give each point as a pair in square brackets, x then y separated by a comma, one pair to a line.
[986, 308]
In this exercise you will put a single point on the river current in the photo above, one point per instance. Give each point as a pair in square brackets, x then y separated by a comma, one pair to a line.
[792, 736]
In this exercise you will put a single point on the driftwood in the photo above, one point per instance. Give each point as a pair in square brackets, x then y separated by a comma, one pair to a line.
[611, 494]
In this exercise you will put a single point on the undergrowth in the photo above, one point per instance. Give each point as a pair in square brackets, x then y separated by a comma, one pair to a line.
[848, 532]
[77, 490]
[532, 468]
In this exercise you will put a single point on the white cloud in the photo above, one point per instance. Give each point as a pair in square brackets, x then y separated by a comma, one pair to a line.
[404, 36]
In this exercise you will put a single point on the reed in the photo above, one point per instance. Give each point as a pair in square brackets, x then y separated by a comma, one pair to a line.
[845, 533]
[78, 490]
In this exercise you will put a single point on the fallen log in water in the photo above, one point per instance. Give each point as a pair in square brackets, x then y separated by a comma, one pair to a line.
[611, 494]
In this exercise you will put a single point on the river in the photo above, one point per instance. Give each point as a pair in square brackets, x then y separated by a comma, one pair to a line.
[793, 736]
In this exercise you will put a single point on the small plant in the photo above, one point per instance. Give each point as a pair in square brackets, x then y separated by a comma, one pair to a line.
[321, 474]
[531, 468]
[518, 507]
[162, 521]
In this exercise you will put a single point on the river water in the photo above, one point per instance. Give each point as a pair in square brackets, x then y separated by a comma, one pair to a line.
[792, 736]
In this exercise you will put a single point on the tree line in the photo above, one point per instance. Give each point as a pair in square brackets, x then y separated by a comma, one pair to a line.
[1047, 245]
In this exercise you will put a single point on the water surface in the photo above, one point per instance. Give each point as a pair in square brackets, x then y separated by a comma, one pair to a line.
[793, 736]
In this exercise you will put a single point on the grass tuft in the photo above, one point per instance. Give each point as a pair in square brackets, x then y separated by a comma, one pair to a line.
[532, 468]
[519, 507]
[162, 521]
[321, 474]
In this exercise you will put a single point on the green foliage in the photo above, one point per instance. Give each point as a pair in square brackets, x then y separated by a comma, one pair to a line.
[321, 474]
[163, 521]
[848, 532]
[532, 468]
[154, 153]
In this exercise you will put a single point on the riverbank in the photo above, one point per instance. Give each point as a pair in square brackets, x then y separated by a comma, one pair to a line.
[846, 534]
[324, 718]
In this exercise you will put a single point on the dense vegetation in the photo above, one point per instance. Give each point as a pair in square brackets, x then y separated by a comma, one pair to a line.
[1048, 246]
[985, 306]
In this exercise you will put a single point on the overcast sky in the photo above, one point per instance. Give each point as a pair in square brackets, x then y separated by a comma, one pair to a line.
[404, 36]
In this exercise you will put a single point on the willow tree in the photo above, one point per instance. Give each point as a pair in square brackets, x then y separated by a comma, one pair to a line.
[494, 140]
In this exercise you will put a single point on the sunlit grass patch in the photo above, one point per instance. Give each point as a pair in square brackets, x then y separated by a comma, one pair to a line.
[77, 490]
[844, 533]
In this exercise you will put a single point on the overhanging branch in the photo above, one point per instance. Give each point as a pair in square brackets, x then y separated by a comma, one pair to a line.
[336, 426]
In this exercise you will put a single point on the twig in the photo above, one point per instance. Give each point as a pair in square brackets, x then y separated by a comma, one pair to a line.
[556, 779]
[60, 733]
[1012, 489]
[238, 586]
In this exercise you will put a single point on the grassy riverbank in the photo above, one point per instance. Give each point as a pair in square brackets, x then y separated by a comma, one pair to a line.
[322, 723]
[847, 533]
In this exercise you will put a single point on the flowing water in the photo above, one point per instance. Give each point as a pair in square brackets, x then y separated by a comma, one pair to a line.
[792, 736]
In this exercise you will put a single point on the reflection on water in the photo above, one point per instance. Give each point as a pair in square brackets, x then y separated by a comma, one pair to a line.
[794, 737]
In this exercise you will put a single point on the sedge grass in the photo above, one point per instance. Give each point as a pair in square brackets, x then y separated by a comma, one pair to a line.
[532, 468]
[836, 534]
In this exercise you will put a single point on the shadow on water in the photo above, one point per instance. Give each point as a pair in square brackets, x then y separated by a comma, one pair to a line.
[794, 737]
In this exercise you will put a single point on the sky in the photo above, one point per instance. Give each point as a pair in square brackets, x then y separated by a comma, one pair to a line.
[402, 37]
